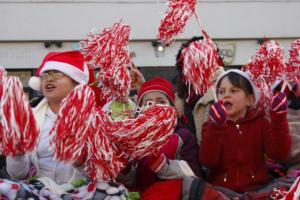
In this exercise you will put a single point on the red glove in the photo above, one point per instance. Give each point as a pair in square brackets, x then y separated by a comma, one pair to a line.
[279, 102]
[156, 162]
[170, 149]
[218, 113]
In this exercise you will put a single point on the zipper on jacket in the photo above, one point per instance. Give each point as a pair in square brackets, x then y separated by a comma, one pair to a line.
[252, 175]
[225, 178]
[238, 128]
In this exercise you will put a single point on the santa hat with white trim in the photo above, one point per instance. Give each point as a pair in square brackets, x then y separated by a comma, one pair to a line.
[71, 63]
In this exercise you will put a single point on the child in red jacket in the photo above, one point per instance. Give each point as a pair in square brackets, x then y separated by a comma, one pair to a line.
[236, 138]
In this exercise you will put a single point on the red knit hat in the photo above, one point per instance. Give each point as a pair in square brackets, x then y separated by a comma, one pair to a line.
[157, 84]
[70, 63]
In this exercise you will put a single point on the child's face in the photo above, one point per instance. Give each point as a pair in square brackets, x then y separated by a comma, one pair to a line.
[155, 97]
[235, 100]
[56, 85]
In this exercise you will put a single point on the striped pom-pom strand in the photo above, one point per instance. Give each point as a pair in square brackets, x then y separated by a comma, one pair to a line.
[19, 128]
[147, 133]
[73, 124]
[103, 48]
[105, 160]
[175, 19]
[200, 63]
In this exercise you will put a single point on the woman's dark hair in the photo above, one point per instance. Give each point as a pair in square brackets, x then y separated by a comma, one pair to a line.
[238, 81]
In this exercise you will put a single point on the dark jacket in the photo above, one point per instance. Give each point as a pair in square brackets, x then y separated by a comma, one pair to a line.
[235, 152]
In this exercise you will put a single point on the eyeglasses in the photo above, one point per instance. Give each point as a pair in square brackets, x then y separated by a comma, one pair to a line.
[55, 75]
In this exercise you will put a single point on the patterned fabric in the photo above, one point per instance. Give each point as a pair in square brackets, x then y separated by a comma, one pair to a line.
[279, 102]
[217, 113]
[10, 189]
[277, 189]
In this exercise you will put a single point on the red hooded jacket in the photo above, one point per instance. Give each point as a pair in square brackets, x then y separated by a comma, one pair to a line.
[235, 152]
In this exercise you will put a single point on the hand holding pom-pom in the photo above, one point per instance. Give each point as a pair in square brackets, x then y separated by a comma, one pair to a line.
[218, 113]
[279, 103]
[156, 162]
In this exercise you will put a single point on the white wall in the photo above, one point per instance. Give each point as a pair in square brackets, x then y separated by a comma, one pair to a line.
[25, 24]
[71, 20]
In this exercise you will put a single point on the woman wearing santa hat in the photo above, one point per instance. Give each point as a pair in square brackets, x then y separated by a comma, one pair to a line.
[57, 75]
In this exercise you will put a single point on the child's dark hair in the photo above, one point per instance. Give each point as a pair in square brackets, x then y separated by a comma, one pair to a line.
[238, 81]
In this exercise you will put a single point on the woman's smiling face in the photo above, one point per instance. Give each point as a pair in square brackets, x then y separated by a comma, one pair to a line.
[56, 85]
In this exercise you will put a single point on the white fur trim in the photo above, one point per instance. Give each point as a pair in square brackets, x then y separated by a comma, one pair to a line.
[245, 75]
[72, 71]
[35, 83]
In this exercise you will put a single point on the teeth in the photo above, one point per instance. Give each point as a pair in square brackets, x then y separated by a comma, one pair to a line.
[227, 105]
[49, 86]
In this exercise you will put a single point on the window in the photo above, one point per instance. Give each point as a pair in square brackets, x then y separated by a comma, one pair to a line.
[24, 76]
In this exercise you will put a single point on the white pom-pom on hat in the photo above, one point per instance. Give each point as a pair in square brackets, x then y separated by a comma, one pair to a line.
[35, 83]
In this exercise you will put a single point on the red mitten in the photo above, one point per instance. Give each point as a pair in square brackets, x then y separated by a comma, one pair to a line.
[171, 148]
[279, 102]
[218, 113]
[156, 162]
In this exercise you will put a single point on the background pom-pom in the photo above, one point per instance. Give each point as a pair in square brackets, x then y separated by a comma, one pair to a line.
[200, 63]
[175, 19]
[19, 130]
[267, 64]
[102, 48]
[3, 72]
[265, 67]
[294, 60]
[35, 83]
[107, 50]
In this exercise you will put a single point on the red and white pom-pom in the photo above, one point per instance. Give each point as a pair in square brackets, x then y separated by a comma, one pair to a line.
[294, 192]
[116, 81]
[3, 72]
[294, 61]
[265, 67]
[19, 129]
[268, 63]
[72, 126]
[103, 48]
[147, 133]
[200, 63]
[104, 159]
[295, 54]
[175, 19]
[106, 50]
